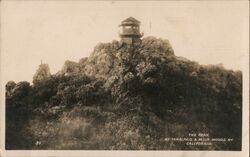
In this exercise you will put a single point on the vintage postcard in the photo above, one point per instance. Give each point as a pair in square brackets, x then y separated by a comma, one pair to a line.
[124, 78]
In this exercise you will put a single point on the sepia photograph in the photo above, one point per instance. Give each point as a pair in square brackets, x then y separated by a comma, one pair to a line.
[112, 76]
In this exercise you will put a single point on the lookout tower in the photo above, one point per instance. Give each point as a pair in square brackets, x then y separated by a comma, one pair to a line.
[130, 32]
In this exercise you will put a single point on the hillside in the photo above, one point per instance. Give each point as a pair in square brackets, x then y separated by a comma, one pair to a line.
[125, 98]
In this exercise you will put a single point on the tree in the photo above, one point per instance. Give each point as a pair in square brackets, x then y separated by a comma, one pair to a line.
[42, 73]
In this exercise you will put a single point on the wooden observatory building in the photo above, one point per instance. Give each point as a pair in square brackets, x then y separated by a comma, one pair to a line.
[130, 31]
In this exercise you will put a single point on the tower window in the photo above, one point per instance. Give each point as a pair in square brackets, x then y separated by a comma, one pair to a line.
[127, 27]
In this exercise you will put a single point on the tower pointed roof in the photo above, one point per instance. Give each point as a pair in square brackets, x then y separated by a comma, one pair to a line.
[130, 21]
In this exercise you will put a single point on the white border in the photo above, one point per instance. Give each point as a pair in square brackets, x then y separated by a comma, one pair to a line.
[64, 153]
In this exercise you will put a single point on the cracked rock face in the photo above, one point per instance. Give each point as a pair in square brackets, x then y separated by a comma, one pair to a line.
[111, 61]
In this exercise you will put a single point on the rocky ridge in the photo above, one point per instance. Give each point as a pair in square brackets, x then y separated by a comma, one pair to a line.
[126, 97]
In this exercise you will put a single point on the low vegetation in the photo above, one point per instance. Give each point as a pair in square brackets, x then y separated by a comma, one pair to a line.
[125, 97]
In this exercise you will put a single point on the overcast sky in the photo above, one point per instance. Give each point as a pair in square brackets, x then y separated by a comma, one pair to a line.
[54, 31]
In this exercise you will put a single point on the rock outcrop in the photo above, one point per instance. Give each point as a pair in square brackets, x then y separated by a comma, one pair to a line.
[126, 97]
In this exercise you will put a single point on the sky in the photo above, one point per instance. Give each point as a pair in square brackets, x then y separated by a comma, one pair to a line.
[208, 32]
